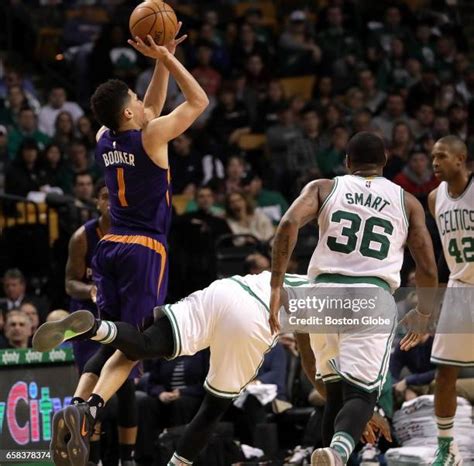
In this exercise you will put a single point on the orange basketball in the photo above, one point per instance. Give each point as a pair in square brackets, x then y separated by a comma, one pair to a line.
[156, 18]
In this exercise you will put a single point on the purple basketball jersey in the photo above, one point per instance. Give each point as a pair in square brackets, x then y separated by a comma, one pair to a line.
[139, 190]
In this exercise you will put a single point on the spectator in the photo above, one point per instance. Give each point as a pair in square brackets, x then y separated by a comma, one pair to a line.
[31, 311]
[280, 139]
[333, 116]
[458, 121]
[447, 95]
[445, 55]
[423, 92]
[83, 189]
[14, 78]
[254, 17]
[54, 167]
[15, 101]
[242, 217]
[298, 52]
[24, 174]
[441, 126]
[14, 287]
[331, 161]
[354, 102]
[195, 234]
[27, 129]
[78, 162]
[229, 119]
[85, 132]
[400, 148]
[466, 86]
[394, 111]
[425, 46]
[247, 46]
[392, 72]
[17, 329]
[235, 171]
[257, 74]
[373, 96]
[185, 164]
[424, 119]
[340, 49]
[362, 121]
[271, 203]
[174, 394]
[417, 177]
[64, 130]
[381, 38]
[256, 263]
[422, 372]
[57, 103]
[324, 92]
[268, 108]
[207, 76]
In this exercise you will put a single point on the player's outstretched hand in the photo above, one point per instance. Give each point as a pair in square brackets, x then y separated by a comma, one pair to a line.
[275, 303]
[152, 50]
[418, 326]
[172, 44]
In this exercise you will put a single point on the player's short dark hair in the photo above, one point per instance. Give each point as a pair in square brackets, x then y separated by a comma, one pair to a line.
[99, 185]
[366, 148]
[108, 101]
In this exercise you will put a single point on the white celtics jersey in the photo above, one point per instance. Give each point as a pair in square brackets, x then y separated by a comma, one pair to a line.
[362, 230]
[455, 220]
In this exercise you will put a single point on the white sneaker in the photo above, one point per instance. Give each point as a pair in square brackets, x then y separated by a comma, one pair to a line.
[326, 457]
[447, 453]
[299, 454]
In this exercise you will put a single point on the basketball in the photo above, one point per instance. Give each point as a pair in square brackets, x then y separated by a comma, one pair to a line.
[156, 18]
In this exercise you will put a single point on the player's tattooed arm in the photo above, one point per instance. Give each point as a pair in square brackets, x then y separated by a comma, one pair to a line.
[76, 267]
[304, 209]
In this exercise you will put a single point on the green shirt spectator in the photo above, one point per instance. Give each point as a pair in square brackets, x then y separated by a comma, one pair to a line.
[271, 203]
[331, 161]
[27, 128]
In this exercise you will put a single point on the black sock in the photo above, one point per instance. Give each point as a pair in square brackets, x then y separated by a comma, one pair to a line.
[126, 452]
[96, 404]
[76, 400]
[94, 452]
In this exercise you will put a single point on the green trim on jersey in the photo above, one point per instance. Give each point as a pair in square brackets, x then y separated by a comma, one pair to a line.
[402, 200]
[176, 334]
[378, 383]
[333, 190]
[250, 292]
[466, 189]
[451, 362]
[346, 279]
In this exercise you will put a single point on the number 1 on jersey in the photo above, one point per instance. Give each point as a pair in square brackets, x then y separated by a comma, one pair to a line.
[121, 187]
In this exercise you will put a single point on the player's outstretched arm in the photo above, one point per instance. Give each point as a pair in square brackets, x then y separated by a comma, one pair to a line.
[426, 274]
[76, 267]
[304, 209]
[156, 92]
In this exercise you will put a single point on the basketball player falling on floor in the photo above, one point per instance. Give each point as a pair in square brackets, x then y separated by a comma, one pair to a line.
[364, 222]
[452, 206]
[130, 263]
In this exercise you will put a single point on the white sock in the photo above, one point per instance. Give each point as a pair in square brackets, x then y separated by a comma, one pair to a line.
[106, 332]
[445, 426]
[177, 460]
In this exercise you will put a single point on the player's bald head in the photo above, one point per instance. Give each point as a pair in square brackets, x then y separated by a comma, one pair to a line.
[454, 145]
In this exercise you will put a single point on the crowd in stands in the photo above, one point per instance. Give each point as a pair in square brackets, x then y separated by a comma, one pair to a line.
[404, 74]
